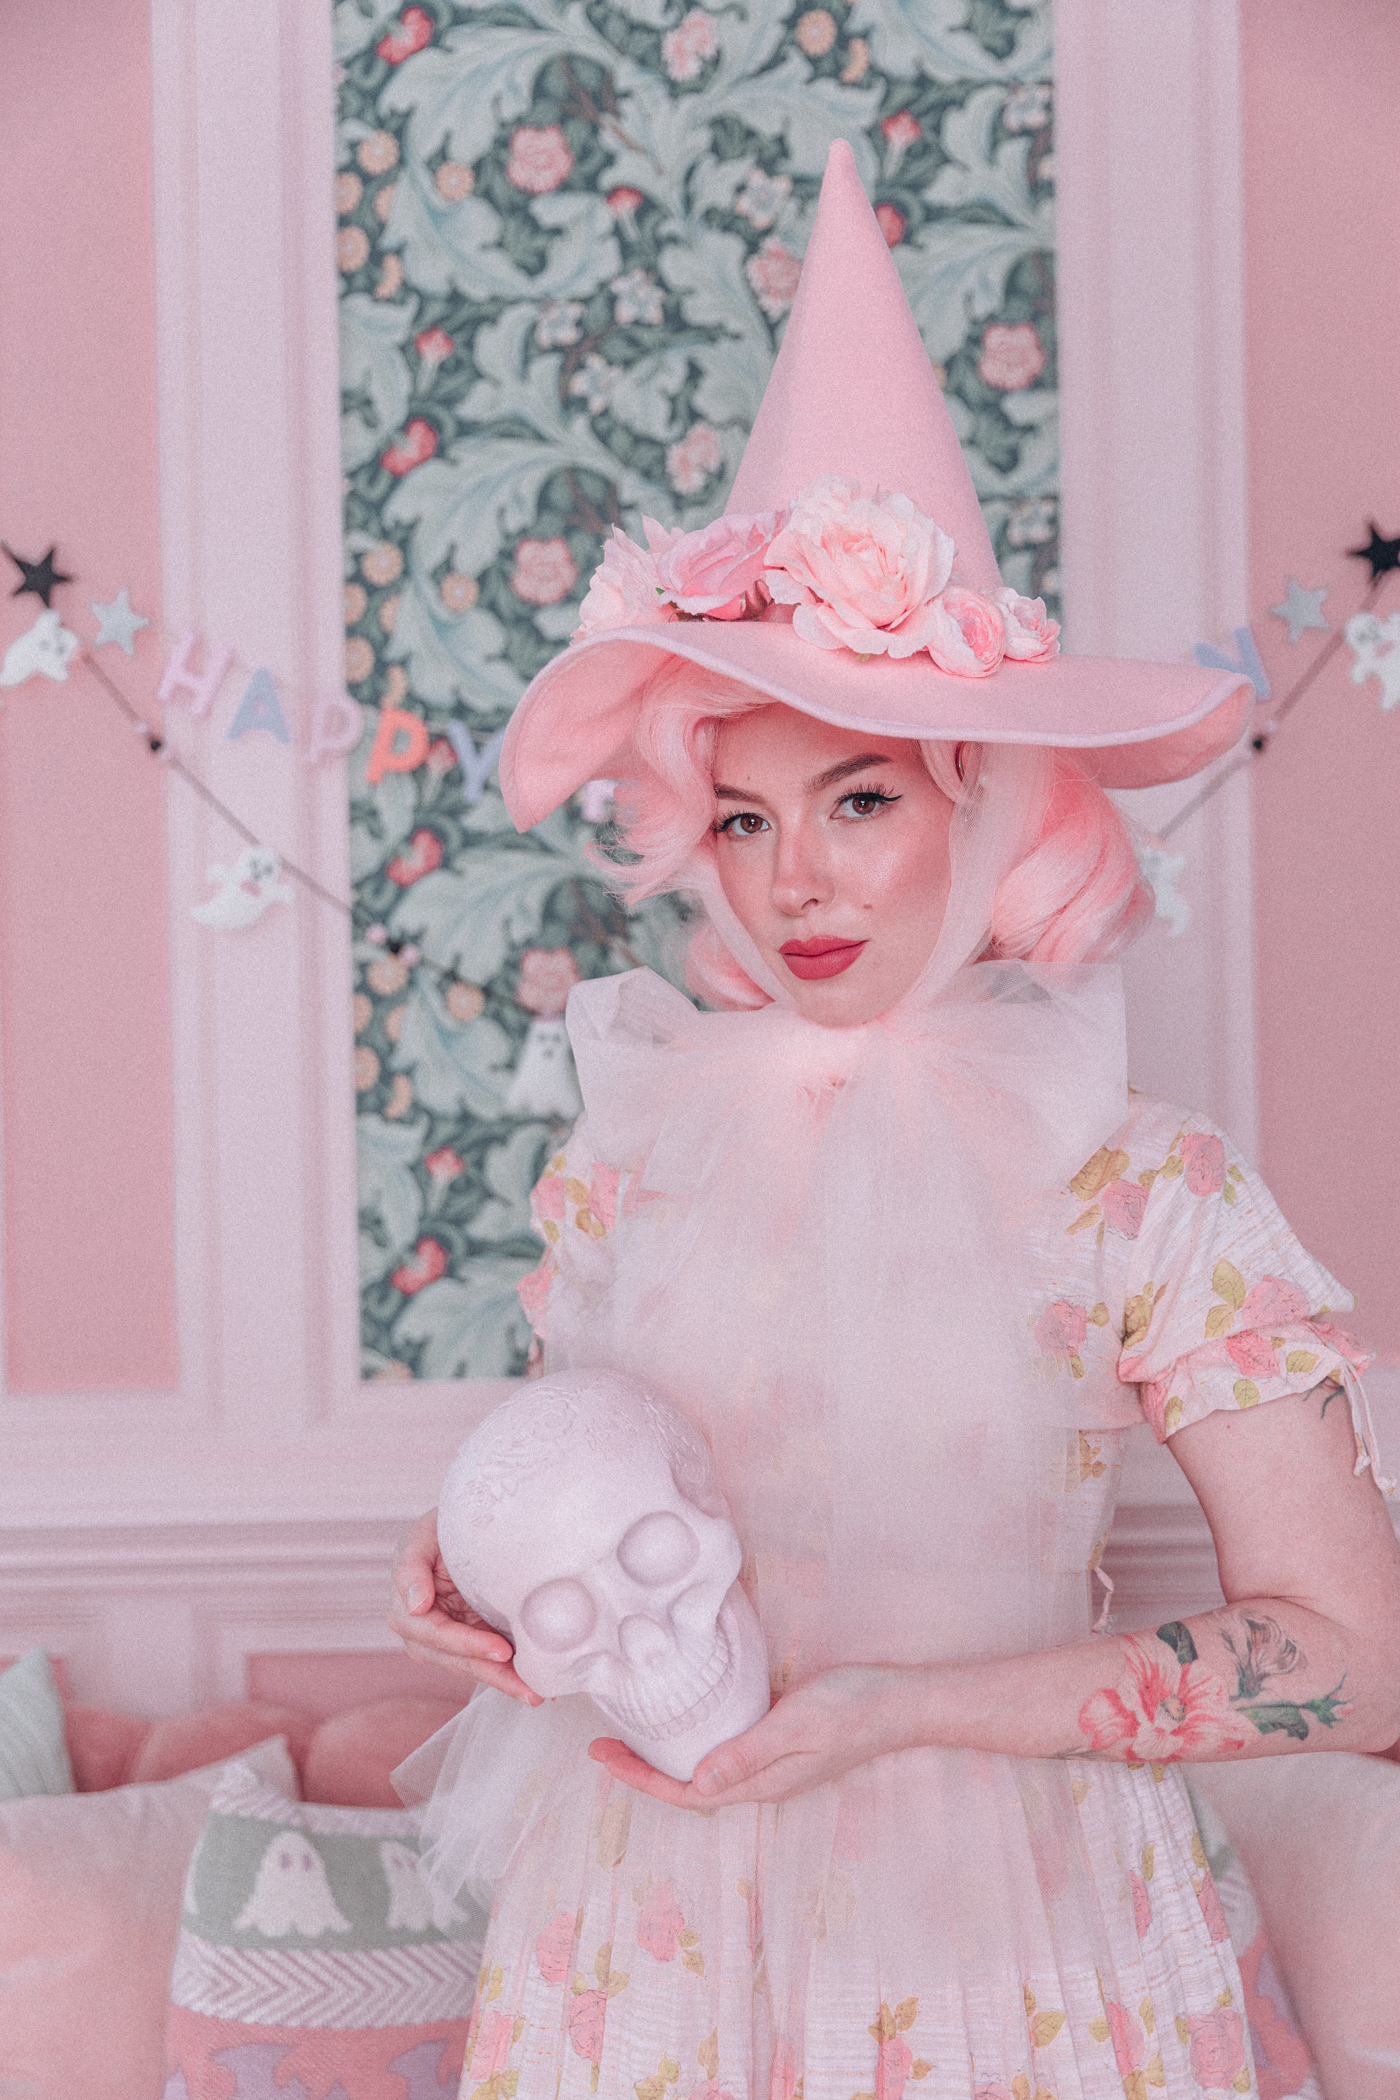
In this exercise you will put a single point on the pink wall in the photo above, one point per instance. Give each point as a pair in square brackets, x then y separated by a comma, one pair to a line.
[1322, 203]
[84, 977]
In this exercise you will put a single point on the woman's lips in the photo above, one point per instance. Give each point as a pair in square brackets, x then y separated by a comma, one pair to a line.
[808, 959]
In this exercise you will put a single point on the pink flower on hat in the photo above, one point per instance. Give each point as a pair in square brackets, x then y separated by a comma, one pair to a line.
[625, 590]
[713, 570]
[864, 572]
[968, 636]
[1031, 638]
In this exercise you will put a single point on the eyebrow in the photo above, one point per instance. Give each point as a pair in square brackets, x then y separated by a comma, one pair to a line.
[814, 786]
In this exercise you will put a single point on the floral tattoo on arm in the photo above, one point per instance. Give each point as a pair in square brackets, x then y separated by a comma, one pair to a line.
[1172, 1706]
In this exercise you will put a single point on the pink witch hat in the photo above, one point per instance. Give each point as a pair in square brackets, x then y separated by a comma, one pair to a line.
[852, 577]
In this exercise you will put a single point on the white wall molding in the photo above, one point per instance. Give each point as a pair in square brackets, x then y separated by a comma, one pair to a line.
[1150, 288]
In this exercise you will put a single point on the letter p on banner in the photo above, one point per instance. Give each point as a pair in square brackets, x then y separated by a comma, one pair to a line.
[385, 756]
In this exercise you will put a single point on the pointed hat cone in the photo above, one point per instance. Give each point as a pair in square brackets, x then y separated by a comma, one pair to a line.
[853, 392]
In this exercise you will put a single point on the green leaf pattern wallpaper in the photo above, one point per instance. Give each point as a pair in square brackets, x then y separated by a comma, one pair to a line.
[569, 235]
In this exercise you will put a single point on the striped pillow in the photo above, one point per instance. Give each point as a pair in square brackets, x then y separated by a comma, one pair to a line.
[311, 1950]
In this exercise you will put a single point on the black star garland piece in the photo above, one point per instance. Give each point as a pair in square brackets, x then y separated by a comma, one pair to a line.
[1382, 554]
[40, 577]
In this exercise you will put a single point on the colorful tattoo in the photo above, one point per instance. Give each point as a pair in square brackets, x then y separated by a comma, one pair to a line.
[1173, 1708]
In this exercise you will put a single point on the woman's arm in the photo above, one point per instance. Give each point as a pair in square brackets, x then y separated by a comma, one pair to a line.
[1304, 1654]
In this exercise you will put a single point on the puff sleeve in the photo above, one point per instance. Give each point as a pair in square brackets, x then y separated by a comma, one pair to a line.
[1225, 1308]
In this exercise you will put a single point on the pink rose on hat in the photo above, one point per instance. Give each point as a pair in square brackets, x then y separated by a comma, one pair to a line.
[968, 635]
[863, 572]
[1031, 637]
[625, 591]
[712, 571]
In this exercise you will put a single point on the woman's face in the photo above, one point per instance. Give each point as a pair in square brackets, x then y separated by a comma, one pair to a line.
[833, 853]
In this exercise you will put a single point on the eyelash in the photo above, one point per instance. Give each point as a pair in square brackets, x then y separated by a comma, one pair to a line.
[855, 794]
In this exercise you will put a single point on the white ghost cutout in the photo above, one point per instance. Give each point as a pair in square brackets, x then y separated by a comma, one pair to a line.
[414, 1904]
[48, 647]
[245, 891]
[544, 1083]
[291, 1893]
[1375, 647]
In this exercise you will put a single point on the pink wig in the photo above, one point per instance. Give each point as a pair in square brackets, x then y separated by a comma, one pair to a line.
[1075, 896]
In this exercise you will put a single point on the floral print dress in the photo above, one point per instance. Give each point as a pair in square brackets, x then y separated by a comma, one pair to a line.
[940, 1922]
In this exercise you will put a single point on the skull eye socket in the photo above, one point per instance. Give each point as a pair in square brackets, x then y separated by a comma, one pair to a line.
[659, 1548]
[558, 1615]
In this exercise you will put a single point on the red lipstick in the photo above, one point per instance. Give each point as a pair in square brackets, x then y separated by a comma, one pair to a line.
[822, 958]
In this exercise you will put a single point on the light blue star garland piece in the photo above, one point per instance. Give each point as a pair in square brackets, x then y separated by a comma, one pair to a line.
[118, 623]
[1302, 609]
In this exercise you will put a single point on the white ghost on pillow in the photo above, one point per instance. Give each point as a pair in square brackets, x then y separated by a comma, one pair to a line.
[291, 1893]
[414, 1904]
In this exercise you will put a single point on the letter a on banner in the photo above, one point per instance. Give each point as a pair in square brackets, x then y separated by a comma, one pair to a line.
[260, 708]
[201, 686]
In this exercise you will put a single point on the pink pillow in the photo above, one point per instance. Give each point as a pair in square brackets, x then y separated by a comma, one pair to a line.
[89, 1910]
[352, 1755]
[102, 1746]
[210, 1734]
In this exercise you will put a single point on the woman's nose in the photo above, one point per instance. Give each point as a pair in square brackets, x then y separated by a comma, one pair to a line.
[801, 871]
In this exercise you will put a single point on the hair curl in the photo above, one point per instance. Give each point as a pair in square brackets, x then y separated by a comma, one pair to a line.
[1077, 895]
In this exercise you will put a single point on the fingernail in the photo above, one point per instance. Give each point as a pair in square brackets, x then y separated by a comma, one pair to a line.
[417, 1597]
[708, 1782]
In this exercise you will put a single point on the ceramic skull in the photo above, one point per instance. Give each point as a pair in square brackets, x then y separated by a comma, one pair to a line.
[583, 1518]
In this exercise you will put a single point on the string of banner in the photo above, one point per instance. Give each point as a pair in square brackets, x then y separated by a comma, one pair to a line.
[402, 740]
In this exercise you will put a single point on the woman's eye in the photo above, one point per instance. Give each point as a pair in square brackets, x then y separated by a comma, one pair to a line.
[745, 823]
[865, 802]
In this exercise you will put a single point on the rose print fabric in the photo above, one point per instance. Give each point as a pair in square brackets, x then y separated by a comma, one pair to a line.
[946, 1923]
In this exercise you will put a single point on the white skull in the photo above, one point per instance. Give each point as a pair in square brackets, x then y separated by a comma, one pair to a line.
[584, 1519]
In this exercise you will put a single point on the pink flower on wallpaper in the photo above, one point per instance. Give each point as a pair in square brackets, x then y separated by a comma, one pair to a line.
[419, 443]
[902, 129]
[1129, 2038]
[434, 345]
[1123, 1205]
[1273, 1302]
[686, 48]
[624, 203]
[1031, 636]
[412, 32]
[694, 459]
[422, 854]
[547, 976]
[539, 159]
[492, 2047]
[1251, 1355]
[554, 1948]
[1217, 2047]
[602, 1195]
[772, 276]
[545, 571]
[1203, 1156]
[892, 2067]
[533, 1293]
[587, 2019]
[1061, 1328]
[1142, 1904]
[891, 222]
[713, 570]
[425, 1265]
[1012, 356]
[1212, 1909]
[443, 1166]
[660, 1922]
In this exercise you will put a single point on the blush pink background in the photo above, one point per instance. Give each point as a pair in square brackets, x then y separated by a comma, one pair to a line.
[84, 976]
[85, 1069]
[1322, 284]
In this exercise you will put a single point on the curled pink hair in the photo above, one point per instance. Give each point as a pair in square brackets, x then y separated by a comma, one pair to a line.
[1076, 895]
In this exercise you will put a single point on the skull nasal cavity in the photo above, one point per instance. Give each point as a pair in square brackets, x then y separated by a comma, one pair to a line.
[643, 1642]
[659, 1548]
[558, 1615]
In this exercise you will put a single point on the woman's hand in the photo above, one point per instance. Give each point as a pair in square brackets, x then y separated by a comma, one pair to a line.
[437, 1625]
[815, 1732]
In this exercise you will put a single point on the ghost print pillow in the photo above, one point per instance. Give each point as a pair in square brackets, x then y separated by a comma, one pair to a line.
[313, 1950]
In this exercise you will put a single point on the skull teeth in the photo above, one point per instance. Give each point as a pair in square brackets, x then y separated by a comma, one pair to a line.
[693, 1701]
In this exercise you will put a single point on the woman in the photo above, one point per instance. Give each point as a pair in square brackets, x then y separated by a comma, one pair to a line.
[894, 1234]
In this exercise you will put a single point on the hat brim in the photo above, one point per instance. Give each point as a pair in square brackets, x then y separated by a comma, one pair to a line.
[575, 720]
